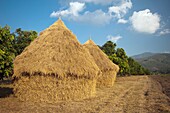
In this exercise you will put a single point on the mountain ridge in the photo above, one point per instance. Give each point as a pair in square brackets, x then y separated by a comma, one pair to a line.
[143, 55]
[155, 62]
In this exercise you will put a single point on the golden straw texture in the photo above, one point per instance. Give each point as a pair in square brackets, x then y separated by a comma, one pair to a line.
[54, 67]
[107, 67]
[56, 52]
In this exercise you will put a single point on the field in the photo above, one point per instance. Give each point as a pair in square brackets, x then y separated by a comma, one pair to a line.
[134, 94]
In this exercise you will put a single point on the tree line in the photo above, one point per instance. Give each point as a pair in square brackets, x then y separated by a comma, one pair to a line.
[12, 44]
[127, 65]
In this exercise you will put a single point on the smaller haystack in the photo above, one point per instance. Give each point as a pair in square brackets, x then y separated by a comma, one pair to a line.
[108, 68]
[55, 67]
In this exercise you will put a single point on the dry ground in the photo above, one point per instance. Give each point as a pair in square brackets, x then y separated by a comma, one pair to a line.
[135, 94]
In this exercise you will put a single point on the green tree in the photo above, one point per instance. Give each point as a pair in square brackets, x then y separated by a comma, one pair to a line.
[109, 48]
[12, 45]
[6, 52]
[123, 64]
[136, 68]
[23, 39]
[120, 52]
[132, 65]
[126, 64]
[118, 56]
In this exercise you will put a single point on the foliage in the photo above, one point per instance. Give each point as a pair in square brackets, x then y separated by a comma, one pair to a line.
[6, 52]
[118, 56]
[109, 48]
[136, 68]
[23, 39]
[11, 45]
[123, 64]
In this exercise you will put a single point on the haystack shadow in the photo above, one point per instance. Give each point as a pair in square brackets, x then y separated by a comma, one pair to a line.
[5, 92]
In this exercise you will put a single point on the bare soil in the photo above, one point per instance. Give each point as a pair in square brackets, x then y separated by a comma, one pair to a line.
[134, 94]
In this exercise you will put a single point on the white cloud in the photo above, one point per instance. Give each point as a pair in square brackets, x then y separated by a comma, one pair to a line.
[102, 2]
[72, 13]
[145, 21]
[122, 9]
[76, 12]
[164, 32]
[114, 38]
[122, 21]
[74, 9]
[97, 17]
[59, 13]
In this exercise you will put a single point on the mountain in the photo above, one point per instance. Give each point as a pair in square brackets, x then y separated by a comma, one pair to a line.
[155, 62]
[143, 55]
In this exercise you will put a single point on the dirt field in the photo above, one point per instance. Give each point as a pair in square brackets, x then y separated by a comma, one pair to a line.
[135, 94]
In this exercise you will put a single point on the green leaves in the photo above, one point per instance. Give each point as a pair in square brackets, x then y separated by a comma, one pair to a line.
[126, 64]
[23, 39]
[136, 68]
[6, 52]
[109, 48]
[11, 45]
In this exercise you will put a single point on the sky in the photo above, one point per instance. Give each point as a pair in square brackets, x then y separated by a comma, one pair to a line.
[136, 25]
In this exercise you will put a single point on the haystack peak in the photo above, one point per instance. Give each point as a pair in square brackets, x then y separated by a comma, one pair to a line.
[90, 42]
[58, 24]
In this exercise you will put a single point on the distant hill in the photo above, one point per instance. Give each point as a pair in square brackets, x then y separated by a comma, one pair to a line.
[143, 55]
[155, 62]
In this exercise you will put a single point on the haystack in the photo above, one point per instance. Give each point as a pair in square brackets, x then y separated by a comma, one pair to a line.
[55, 67]
[108, 68]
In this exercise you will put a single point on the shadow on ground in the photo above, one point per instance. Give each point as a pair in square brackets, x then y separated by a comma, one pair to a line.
[5, 82]
[5, 92]
[5, 89]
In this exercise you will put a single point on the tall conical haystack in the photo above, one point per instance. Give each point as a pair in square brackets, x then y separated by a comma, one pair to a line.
[55, 67]
[108, 68]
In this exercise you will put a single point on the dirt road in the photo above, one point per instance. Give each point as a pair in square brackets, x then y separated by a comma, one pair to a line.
[135, 94]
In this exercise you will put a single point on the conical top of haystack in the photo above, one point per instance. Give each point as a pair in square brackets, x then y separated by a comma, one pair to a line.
[89, 42]
[58, 24]
[56, 52]
[101, 59]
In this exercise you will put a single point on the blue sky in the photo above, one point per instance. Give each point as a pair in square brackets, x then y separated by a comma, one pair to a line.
[136, 25]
